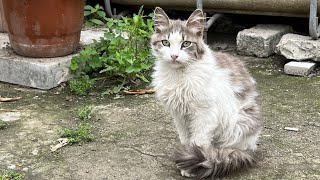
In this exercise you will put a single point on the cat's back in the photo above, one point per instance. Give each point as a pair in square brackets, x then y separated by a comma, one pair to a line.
[240, 78]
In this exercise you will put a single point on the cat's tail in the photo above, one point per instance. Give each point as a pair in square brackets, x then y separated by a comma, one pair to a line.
[212, 162]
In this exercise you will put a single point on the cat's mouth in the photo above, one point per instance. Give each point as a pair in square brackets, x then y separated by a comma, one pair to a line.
[174, 62]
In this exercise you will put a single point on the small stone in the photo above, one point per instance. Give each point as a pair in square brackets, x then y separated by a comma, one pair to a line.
[25, 169]
[12, 167]
[298, 154]
[35, 151]
[10, 116]
[298, 47]
[299, 68]
[261, 40]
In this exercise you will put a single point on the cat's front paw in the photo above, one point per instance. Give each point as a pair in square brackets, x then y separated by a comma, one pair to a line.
[187, 174]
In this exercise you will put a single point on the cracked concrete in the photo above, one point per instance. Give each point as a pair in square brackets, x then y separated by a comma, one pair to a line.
[134, 138]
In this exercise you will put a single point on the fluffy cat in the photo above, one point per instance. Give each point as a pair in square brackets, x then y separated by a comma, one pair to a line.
[211, 98]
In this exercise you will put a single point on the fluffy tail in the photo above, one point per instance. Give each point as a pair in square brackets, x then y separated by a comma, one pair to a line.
[205, 162]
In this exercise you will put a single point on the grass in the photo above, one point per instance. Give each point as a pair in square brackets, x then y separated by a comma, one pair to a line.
[3, 125]
[84, 113]
[83, 131]
[10, 175]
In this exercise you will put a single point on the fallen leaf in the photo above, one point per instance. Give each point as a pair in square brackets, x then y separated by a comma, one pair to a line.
[62, 142]
[291, 129]
[139, 91]
[9, 99]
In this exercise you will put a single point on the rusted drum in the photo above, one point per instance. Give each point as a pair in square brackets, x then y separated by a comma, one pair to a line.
[44, 28]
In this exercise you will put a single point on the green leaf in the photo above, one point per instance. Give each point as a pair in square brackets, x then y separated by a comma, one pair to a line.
[119, 58]
[150, 25]
[142, 77]
[74, 66]
[88, 7]
[145, 66]
[130, 69]
[97, 6]
[87, 13]
[140, 10]
[136, 19]
[109, 68]
[101, 14]
[95, 62]
[108, 35]
[116, 89]
[97, 21]
[109, 24]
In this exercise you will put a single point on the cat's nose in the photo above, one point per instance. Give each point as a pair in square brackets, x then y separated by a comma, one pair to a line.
[174, 57]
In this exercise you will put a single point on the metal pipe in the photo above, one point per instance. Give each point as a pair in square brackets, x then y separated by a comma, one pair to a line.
[314, 29]
[199, 4]
[212, 20]
[107, 8]
[295, 8]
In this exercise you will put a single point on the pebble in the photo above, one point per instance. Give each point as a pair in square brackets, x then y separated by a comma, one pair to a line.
[25, 169]
[12, 167]
[10, 116]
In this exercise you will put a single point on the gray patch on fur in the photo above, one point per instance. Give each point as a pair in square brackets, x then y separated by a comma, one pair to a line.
[212, 162]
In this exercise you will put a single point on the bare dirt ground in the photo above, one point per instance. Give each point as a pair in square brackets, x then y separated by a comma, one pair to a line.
[134, 138]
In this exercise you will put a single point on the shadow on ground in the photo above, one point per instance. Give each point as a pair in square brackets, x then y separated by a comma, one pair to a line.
[134, 138]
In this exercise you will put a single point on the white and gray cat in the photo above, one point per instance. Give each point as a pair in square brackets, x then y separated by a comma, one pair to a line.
[210, 96]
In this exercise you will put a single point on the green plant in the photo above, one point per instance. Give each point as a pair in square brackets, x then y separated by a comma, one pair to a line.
[10, 175]
[94, 15]
[123, 53]
[83, 131]
[84, 113]
[77, 134]
[82, 85]
[3, 124]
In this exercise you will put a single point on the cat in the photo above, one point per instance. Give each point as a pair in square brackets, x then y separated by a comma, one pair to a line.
[210, 96]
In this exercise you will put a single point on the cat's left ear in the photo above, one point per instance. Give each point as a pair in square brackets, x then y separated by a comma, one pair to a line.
[196, 22]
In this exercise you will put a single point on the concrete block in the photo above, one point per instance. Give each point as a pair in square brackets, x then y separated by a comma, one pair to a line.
[299, 68]
[41, 73]
[298, 47]
[261, 40]
[87, 36]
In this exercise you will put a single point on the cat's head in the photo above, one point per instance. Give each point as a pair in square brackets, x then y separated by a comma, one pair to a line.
[177, 42]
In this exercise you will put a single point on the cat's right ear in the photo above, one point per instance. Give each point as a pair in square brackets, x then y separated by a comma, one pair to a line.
[161, 20]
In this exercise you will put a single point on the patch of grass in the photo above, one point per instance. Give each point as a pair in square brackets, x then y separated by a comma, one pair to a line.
[81, 86]
[83, 131]
[10, 175]
[84, 113]
[3, 125]
[79, 133]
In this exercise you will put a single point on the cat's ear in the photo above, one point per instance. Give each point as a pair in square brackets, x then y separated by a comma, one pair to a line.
[196, 22]
[161, 20]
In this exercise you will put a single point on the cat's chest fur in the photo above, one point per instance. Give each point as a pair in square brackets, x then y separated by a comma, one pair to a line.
[185, 90]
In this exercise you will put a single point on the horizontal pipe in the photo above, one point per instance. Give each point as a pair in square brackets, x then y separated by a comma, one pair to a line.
[295, 8]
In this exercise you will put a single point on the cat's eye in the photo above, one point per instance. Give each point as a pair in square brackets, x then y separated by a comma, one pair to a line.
[165, 42]
[186, 44]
